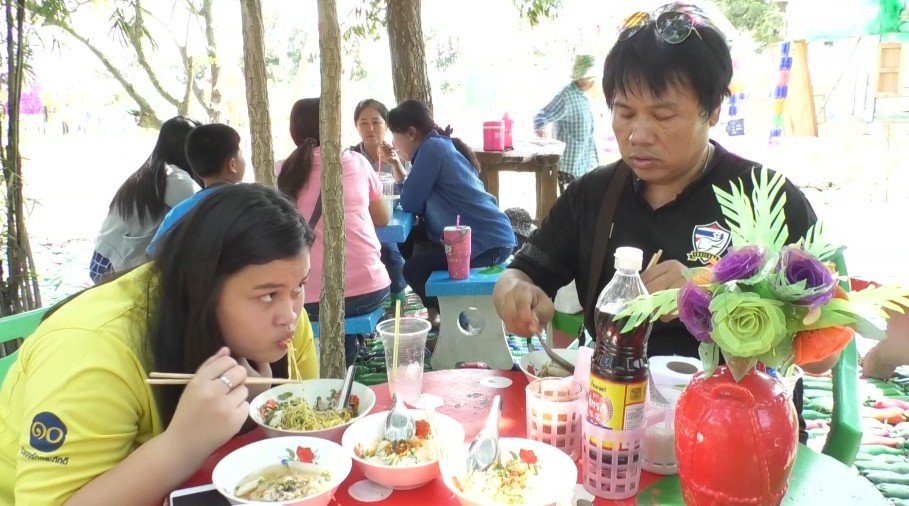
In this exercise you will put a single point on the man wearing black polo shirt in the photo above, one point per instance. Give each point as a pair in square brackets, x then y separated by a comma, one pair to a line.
[665, 88]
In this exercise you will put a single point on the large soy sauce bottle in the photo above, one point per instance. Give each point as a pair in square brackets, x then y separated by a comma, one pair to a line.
[618, 368]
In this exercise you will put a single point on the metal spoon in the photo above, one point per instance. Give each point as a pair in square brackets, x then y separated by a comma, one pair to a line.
[561, 362]
[484, 449]
[656, 397]
[345, 390]
[399, 425]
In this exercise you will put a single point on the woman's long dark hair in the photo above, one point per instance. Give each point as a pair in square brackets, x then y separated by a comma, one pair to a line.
[143, 192]
[234, 227]
[304, 130]
[413, 113]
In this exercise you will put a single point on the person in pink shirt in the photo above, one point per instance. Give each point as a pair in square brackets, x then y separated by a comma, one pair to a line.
[366, 282]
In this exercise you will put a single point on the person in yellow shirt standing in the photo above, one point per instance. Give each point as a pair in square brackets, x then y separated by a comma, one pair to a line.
[79, 424]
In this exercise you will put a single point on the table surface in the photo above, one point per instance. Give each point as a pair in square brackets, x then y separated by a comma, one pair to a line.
[466, 395]
[547, 150]
[397, 229]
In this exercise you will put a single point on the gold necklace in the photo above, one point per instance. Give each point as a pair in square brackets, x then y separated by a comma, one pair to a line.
[707, 158]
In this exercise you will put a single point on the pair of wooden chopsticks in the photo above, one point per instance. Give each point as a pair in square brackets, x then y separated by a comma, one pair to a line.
[168, 378]
[655, 259]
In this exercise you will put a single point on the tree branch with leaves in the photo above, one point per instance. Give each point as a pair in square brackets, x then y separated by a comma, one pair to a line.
[130, 27]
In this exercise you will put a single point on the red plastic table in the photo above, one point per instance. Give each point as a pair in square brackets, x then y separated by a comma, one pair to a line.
[467, 394]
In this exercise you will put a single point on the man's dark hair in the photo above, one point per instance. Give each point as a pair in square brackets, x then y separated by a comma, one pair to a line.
[646, 61]
[209, 147]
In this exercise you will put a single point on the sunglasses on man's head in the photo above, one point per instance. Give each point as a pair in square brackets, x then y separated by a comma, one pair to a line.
[671, 25]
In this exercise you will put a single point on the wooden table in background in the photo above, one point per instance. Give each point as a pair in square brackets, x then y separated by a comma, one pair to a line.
[542, 160]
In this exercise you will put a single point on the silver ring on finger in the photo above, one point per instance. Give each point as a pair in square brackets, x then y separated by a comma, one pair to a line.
[224, 379]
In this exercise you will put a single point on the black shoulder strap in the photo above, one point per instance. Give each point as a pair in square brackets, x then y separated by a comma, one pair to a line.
[316, 212]
[602, 233]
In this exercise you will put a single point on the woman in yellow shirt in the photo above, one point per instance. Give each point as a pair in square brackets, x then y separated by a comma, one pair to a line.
[78, 423]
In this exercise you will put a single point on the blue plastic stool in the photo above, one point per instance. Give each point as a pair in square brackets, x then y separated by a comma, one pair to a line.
[484, 340]
[361, 324]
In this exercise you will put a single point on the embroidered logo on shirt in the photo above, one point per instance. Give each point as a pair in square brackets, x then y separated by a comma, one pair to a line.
[709, 241]
[48, 433]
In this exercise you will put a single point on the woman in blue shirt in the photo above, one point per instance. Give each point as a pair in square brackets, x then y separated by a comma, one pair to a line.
[443, 184]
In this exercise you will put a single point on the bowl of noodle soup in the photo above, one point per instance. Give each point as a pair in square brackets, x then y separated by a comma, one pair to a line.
[302, 471]
[307, 409]
[537, 364]
[402, 465]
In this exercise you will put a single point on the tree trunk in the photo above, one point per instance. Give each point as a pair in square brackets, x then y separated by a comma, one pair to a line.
[257, 91]
[213, 102]
[331, 307]
[408, 54]
[215, 99]
[19, 289]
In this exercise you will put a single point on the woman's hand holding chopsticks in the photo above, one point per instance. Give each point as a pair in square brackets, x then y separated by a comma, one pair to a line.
[213, 406]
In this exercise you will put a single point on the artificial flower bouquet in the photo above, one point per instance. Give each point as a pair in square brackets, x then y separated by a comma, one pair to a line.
[767, 301]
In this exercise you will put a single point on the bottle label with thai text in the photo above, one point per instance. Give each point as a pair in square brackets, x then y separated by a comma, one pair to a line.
[616, 406]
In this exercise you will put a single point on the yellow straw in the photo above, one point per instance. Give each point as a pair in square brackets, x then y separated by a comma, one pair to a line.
[394, 353]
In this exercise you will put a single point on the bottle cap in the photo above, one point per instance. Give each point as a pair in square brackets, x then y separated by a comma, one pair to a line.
[628, 258]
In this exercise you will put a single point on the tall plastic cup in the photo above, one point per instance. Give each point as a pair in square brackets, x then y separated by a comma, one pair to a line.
[457, 251]
[494, 135]
[405, 377]
[555, 412]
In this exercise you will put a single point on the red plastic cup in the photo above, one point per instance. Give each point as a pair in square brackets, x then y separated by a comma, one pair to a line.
[457, 251]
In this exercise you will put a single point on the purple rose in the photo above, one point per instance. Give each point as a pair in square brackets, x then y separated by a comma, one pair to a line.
[740, 264]
[797, 265]
[694, 311]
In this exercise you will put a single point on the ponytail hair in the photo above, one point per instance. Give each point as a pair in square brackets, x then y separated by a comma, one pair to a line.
[416, 114]
[304, 130]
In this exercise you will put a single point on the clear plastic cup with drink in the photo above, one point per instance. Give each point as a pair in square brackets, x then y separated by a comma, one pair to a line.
[405, 377]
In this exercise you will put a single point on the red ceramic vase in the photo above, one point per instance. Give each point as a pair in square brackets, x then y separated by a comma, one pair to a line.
[735, 442]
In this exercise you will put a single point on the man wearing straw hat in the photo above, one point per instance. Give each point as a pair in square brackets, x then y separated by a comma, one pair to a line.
[569, 112]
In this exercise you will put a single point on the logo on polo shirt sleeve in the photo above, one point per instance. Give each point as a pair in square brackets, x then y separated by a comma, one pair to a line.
[47, 433]
[710, 242]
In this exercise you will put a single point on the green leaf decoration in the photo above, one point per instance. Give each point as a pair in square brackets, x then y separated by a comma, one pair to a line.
[867, 329]
[649, 307]
[778, 355]
[710, 357]
[835, 312]
[759, 218]
[739, 366]
[876, 299]
[763, 288]
[815, 244]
